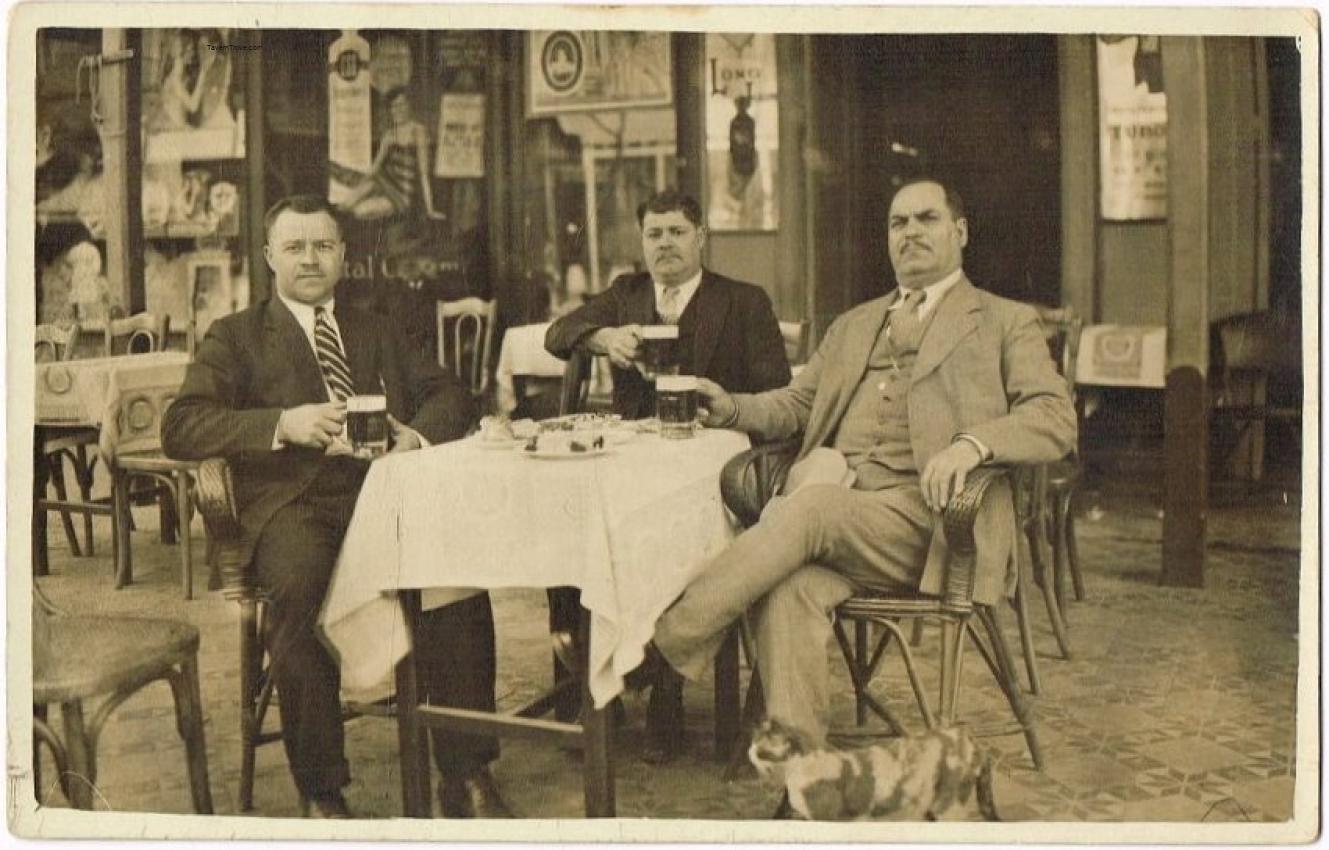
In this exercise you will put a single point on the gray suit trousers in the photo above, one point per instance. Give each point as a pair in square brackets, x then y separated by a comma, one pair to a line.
[860, 539]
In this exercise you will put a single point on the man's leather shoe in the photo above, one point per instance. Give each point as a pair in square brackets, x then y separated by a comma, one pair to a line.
[664, 720]
[476, 796]
[331, 806]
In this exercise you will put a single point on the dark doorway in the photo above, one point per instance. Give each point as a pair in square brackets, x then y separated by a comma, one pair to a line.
[982, 112]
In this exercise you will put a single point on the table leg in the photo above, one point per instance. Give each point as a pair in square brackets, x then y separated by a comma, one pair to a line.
[726, 697]
[598, 764]
[40, 476]
[120, 508]
[411, 736]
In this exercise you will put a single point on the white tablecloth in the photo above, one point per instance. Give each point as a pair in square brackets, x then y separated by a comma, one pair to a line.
[629, 528]
[523, 353]
[77, 392]
[1122, 356]
[124, 395]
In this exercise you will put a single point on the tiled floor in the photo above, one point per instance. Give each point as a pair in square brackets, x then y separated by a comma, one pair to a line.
[1177, 706]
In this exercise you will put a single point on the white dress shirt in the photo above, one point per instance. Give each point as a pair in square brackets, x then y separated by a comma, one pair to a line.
[932, 294]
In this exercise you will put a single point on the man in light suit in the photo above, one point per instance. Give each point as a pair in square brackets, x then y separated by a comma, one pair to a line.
[727, 332]
[905, 396]
[267, 391]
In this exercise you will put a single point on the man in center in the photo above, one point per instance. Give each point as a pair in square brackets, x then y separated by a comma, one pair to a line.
[727, 333]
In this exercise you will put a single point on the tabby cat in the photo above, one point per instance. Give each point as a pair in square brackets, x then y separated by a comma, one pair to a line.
[920, 777]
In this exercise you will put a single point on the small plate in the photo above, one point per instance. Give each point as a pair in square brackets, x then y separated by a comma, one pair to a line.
[547, 454]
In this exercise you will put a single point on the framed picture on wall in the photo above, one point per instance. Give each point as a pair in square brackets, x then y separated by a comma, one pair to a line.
[571, 70]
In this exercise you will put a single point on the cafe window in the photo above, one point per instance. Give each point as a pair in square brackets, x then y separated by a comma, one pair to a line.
[600, 140]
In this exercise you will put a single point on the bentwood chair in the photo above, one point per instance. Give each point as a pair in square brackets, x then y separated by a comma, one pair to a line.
[753, 477]
[54, 343]
[78, 658]
[1062, 328]
[466, 329]
[136, 454]
[214, 495]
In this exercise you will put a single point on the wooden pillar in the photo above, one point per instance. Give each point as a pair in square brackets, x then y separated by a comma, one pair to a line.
[1186, 414]
[122, 158]
[1079, 174]
[505, 157]
[256, 199]
[792, 299]
[689, 56]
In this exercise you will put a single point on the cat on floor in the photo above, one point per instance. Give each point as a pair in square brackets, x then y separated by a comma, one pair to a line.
[921, 777]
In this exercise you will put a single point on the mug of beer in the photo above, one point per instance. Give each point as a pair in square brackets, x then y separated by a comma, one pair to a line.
[659, 351]
[367, 425]
[676, 405]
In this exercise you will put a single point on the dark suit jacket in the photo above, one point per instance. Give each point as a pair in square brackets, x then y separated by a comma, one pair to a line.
[736, 339]
[257, 362]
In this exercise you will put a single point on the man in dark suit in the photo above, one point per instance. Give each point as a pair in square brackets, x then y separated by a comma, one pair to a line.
[727, 332]
[267, 391]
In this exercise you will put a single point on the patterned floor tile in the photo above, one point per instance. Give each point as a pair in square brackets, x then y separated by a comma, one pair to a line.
[1178, 705]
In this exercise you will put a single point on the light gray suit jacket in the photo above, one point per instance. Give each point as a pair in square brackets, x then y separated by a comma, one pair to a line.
[983, 368]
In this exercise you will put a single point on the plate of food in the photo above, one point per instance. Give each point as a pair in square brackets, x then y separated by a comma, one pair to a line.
[564, 445]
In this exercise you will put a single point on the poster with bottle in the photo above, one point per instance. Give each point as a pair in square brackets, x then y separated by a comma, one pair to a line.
[350, 115]
[742, 131]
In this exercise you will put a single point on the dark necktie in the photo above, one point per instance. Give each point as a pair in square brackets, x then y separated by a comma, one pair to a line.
[905, 323]
[330, 357]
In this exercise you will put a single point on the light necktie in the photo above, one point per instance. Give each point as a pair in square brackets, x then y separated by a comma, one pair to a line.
[331, 360]
[668, 306]
[905, 323]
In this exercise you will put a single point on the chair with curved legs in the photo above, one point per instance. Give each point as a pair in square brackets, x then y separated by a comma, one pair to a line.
[467, 326]
[78, 658]
[748, 482]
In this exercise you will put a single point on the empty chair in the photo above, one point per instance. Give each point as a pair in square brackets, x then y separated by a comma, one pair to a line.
[78, 658]
[137, 334]
[466, 330]
[53, 446]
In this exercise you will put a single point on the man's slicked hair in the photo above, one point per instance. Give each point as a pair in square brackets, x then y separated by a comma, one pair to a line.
[303, 204]
[953, 200]
[670, 200]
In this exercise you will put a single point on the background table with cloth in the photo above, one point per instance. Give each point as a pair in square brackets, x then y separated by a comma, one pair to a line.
[629, 528]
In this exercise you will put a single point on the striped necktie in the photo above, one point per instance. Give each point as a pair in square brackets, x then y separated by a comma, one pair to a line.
[330, 358]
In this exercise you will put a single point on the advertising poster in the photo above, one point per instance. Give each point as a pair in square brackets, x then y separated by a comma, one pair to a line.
[350, 115]
[461, 136]
[742, 131]
[1132, 109]
[570, 70]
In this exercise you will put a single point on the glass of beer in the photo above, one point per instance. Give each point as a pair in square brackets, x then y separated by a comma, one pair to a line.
[676, 405]
[659, 351]
[367, 425]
